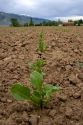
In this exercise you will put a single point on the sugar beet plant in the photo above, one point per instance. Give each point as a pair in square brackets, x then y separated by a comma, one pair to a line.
[41, 46]
[39, 94]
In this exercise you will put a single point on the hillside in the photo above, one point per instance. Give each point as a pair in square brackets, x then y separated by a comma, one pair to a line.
[5, 18]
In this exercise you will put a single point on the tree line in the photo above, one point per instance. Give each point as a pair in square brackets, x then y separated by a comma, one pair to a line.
[15, 23]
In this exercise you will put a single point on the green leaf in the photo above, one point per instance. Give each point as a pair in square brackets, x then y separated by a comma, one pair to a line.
[50, 89]
[37, 65]
[81, 65]
[36, 98]
[39, 62]
[36, 79]
[20, 92]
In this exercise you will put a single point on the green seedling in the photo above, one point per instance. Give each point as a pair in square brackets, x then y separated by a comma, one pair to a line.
[41, 45]
[39, 94]
[79, 64]
[37, 66]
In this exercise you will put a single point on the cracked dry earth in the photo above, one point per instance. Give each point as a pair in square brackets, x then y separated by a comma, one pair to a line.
[64, 66]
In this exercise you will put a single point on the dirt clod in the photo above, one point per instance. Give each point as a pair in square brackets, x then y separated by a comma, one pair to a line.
[52, 113]
[68, 112]
[34, 120]
[73, 79]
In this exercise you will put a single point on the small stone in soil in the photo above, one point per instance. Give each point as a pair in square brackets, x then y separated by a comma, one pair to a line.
[78, 124]
[76, 50]
[46, 121]
[1, 116]
[25, 116]
[9, 121]
[59, 120]
[68, 67]
[80, 76]
[73, 79]
[80, 85]
[52, 113]
[9, 101]
[62, 97]
[19, 120]
[68, 112]
[34, 119]
[77, 95]
[3, 100]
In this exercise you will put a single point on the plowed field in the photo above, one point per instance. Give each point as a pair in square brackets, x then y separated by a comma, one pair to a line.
[64, 66]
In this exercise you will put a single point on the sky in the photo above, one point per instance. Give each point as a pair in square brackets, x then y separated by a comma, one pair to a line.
[43, 8]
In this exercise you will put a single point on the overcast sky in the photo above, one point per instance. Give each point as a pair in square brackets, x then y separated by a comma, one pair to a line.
[43, 8]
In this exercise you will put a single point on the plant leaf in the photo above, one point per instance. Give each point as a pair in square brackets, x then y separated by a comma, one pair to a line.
[20, 92]
[38, 65]
[36, 79]
[39, 62]
[50, 89]
[36, 98]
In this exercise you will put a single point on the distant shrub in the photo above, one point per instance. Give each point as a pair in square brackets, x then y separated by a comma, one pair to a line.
[14, 22]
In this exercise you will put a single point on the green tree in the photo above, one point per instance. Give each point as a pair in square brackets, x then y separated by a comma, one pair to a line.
[31, 23]
[44, 23]
[38, 24]
[70, 20]
[80, 21]
[14, 22]
[75, 22]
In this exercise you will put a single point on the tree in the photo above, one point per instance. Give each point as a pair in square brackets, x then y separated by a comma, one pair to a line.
[50, 23]
[26, 24]
[44, 23]
[31, 22]
[70, 20]
[80, 21]
[75, 22]
[14, 22]
[38, 24]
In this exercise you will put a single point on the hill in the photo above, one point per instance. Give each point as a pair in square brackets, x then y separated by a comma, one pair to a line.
[5, 18]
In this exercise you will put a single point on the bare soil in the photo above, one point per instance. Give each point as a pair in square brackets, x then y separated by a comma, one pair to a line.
[64, 67]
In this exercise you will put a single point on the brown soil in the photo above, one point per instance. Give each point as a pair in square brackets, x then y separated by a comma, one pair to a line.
[64, 66]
